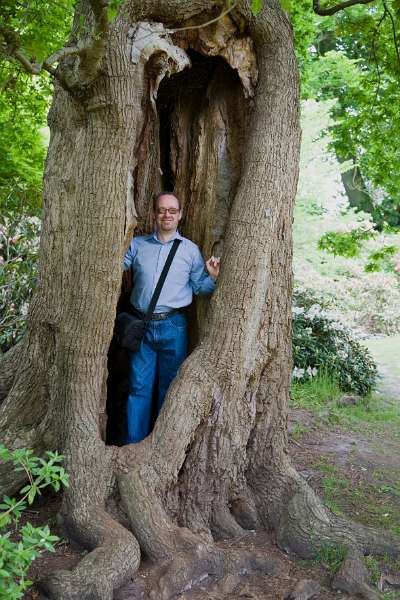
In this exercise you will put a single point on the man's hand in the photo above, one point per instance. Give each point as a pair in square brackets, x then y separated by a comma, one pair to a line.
[212, 266]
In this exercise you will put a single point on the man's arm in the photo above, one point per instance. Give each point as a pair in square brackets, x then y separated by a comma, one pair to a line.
[201, 281]
[130, 255]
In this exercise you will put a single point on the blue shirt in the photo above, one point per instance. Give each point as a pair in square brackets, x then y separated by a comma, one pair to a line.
[187, 274]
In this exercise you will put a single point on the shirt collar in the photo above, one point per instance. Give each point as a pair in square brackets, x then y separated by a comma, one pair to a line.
[177, 236]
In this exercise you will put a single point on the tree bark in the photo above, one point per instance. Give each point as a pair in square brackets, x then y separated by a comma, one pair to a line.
[216, 462]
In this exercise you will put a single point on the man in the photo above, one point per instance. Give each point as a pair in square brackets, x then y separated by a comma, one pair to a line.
[164, 346]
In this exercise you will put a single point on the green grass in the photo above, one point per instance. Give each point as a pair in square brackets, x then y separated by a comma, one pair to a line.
[320, 395]
[298, 430]
[315, 393]
[333, 486]
[377, 565]
[371, 413]
[379, 500]
[325, 467]
[331, 557]
[373, 567]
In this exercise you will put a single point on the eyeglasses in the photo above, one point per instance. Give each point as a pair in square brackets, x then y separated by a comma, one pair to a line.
[171, 211]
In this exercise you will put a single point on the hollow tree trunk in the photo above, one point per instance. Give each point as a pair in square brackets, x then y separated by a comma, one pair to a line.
[216, 462]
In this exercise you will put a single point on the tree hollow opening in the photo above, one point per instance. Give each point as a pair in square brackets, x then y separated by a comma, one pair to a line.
[201, 123]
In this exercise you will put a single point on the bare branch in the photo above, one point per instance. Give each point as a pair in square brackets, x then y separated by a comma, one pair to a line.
[325, 12]
[60, 54]
[13, 50]
[32, 68]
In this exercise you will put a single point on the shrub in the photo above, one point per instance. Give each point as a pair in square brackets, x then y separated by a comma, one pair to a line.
[322, 343]
[19, 243]
[19, 546]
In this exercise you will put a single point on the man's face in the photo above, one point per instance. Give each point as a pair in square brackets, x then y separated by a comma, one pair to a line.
[166, 221]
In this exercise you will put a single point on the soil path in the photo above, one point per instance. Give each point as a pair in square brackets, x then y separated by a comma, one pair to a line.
[351, 457]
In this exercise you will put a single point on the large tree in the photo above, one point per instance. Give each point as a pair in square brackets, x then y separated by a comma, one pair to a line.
[154, 99]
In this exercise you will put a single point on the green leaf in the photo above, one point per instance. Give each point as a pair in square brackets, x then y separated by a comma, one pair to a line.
[32, 494]
[5, 454]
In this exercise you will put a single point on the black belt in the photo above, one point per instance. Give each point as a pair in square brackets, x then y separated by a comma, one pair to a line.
[158, 316]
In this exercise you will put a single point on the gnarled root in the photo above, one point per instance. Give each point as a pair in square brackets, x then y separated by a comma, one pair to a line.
[304, 526]
[183, 559]
[204, 566]
[352, 577]
[114, 558]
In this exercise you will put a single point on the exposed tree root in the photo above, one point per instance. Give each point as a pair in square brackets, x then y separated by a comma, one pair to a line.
[115, 557]
[224, 525]
[186, 571]
[304, 526]
[304, 590]
[307, 525]
[245, 512]
[352, 577]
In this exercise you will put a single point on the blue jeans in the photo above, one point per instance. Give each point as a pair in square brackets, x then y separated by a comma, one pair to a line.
[161, 353]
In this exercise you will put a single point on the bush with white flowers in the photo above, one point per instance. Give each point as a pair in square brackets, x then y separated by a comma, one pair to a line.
[321, 343]
[19, 243]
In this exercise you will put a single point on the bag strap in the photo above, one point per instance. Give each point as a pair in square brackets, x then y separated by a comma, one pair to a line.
[160, 283]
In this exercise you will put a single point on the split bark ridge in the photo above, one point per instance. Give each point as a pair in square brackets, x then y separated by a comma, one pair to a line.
[216, 463]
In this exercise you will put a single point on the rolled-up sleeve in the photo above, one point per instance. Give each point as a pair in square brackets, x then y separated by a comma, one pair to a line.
[130, 255]
[200, 280]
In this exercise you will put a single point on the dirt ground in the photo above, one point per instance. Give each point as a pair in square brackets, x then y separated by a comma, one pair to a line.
[287, 571]
[363, 482]
[356, 472]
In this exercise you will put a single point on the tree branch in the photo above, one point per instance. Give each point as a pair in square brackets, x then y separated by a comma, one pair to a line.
[90, 51]
[202, 25]
[13, 51]
[375, 58]
[394, 31]
[325, 12]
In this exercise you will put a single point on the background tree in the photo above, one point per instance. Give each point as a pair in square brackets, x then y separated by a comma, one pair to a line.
[216, 462]
[354, 59]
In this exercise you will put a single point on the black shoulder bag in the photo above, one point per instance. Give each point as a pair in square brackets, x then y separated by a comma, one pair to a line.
[131, 329]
